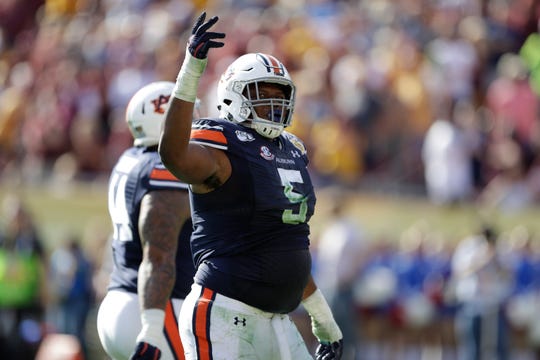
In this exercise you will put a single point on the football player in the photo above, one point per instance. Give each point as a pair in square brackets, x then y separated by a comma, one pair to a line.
[252, 198]
[153, 268]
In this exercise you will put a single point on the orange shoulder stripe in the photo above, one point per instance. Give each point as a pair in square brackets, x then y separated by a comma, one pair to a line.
[162, 174]
[211, 135]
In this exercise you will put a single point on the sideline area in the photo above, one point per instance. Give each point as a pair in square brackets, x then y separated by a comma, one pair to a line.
[81, 207]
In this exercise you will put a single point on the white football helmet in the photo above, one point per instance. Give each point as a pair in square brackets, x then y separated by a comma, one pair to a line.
[145, 113]
[236, 103]
[146, 110]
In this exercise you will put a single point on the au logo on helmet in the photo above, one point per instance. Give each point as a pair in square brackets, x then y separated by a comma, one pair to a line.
[272, 64]
[160, 103]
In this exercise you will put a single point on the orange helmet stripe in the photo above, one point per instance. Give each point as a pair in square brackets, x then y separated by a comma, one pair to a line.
[272, 64]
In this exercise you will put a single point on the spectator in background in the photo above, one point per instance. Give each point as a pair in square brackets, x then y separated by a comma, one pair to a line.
[453, 59]
[512, 187]
[522, 309]
[529, 54]
[447, 154]
[341, 254]
[482, 286]
[513, 102]
[421, 265]
[71, 276]
[22, 282]
[374, 295]
[375, 75]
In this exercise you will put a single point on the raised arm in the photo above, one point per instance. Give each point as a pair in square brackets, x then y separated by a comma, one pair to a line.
[191, 163]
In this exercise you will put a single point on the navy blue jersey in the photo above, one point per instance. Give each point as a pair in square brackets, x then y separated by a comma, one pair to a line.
[254, 228]
[137, 172]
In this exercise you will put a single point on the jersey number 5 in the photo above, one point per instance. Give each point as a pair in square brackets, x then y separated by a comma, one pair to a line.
[287, 177]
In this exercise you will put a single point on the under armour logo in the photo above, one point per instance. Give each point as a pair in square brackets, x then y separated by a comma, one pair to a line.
[238, 321]
[295, 154]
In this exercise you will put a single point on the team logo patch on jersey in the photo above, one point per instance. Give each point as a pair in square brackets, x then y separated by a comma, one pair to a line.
[244, 136]
[298, 144]
[266, 154]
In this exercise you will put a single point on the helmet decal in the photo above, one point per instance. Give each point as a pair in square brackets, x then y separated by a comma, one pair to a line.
[146, 110]
[272, 64]
[160, 102]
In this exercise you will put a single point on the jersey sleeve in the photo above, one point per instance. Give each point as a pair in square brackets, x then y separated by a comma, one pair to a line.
[160, 178]
[209, 133]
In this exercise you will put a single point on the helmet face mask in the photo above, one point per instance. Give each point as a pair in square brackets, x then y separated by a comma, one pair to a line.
[269, 115]
[257, 91]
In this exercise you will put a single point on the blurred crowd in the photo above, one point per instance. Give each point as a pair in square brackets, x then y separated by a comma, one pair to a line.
[423, 296]
[419, 296]
[434, 97]
[373, 78]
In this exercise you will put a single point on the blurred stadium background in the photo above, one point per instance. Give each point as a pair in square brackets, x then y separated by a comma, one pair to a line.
[374, 78]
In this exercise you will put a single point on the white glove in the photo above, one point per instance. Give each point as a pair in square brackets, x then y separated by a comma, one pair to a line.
[152, 321]
[323, 325]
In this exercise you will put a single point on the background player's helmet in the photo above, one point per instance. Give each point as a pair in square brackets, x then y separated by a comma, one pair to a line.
[236, 103]
[146, 110]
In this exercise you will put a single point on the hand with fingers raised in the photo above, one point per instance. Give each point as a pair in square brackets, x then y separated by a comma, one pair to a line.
[201, 40]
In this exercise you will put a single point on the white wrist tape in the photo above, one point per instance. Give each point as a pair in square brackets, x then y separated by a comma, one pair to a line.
[152, 321]
[323, 325]
[188, 77]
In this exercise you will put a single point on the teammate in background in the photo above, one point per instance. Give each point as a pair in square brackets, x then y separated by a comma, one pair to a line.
[252, 198]
[153, 268]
